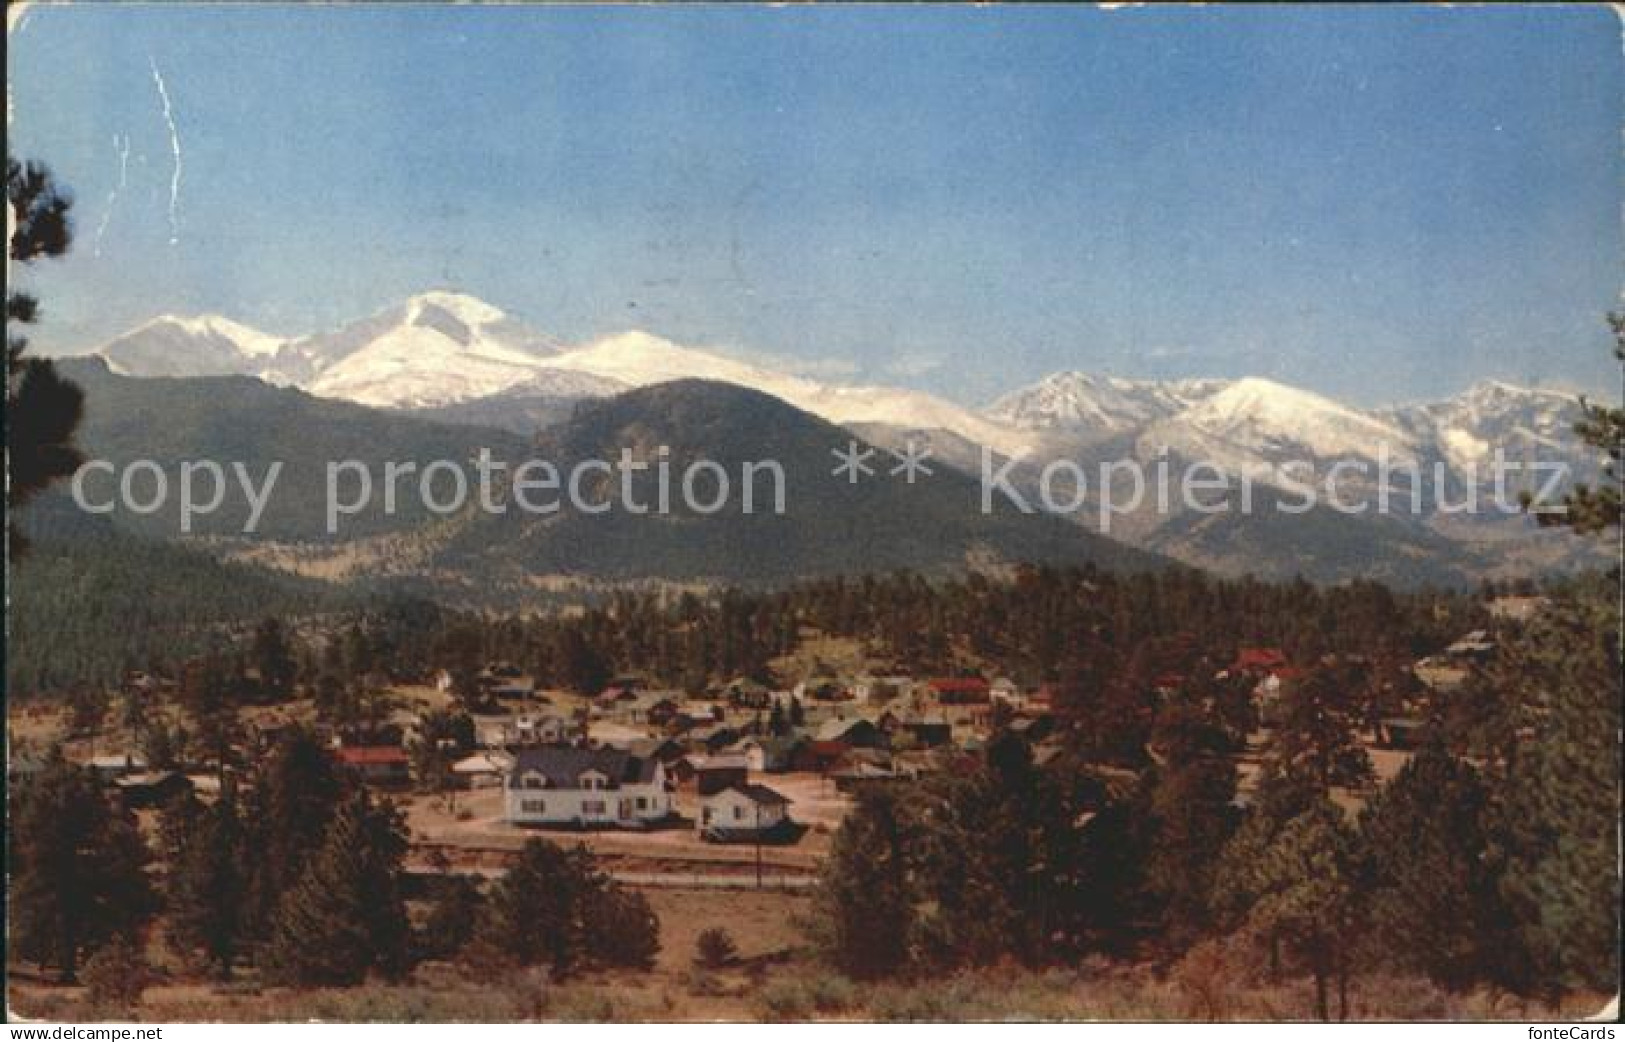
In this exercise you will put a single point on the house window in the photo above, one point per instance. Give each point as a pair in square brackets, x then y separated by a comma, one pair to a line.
[533, 806]
[592, 807]
[643, 803]
[739, 812]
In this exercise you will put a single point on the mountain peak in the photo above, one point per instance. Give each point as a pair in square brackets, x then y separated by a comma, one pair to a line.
[461, 306]
[250, 340]
[1080, 403]
[200, 345]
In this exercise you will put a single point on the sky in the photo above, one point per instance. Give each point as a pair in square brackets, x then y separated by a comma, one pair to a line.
[1374, 203]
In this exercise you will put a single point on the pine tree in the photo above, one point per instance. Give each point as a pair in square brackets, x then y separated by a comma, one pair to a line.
[78, 869]
[1561, 795]
[866, 898]
[42, 409]
[456, 906]
[1001, 863]
[205, 885]
[1595, 509]
[1305, 895]
[1426, 864]
[345, 917]
[287, 813]
[274, 659]
[623, 929]
[1193, 817]
[537, 913]
[1315, 744]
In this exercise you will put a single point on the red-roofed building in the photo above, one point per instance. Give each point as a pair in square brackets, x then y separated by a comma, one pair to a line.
[961, 690]
[1259, 660]
[376, 764]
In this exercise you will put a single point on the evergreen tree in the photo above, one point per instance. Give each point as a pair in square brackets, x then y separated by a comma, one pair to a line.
[274, 658]
[455, 909]
[288, 810]
[579, 665]
[345, 917]
[1595, 509]
[42, 408]
[1561, 794]
[1434, 903]
[622, 929]
[1002, 863]
[866, 898]
[78, 869]
[1305, 895]
[1315, 745]
[537, 913]
[205, 885]
[1193, 817]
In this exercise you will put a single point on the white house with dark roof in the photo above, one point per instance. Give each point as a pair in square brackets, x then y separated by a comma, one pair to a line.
[567, 786]
[743, 811]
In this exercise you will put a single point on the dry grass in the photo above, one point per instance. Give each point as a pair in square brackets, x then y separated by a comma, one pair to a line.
[773, 979]
[793, 990]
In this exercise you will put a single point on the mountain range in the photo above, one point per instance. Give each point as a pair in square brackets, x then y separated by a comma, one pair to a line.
[458, 362]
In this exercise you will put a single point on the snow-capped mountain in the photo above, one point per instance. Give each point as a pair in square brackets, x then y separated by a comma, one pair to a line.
[640, 359]
[442, 349]
[1089, 405]
[1523, 422]
[433, 349]
[455, 353]
[459, 360]
[1260, 422]
[204, 345]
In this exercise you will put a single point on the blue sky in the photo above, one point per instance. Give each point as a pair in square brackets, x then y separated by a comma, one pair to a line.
[1379, 204]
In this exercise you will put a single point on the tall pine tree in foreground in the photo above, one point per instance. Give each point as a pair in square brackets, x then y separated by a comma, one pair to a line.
[286, 815]
[1306, 896]
[205, 885]
[1426, 862]
[42, 408]
[537, 913]
[1560, 802]
[866, 897]
[345, 917]
[1597, 508]
[78, 869]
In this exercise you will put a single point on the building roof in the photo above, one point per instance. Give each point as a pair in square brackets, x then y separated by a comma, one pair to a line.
[1259, 658]
[760, 794]
[835, 730]
[563, 765]
[483, 763]
[652, 746]
[959, 684]
[117, 762]
[724, 762]
[371, 755]
[151, 779]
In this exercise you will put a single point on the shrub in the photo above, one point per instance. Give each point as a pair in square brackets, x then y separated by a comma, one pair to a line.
[799, 998]
[714, 948]
[116, 976]
[625, 930]
[831, 993]
[785, 999]
[584, 1006]
[703, 985]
